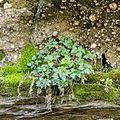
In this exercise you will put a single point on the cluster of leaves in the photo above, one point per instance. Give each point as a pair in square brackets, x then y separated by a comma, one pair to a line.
[60, 62]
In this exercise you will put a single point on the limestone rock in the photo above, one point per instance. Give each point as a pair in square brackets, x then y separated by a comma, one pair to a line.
[76, 23]
[93, 46]
[1, 1]
[92, 17]
[64, 1]
[72, 0]
[55, 33]
[7, 5]
[14, 29]
[113, 6]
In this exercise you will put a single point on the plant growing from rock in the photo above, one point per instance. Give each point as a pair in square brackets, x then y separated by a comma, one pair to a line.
[59, 63]
[108, 83]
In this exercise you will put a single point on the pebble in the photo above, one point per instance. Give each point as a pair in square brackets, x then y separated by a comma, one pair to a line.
[118, 49]
[113, 6]
[55, 33]
[93, 46]
[12, 46]
[1, 1]
[76, 23]
[61, 12]
[117, 22]
[72, 0]
[92, 17]
[2, 64]
[64, 0]
[7, 5]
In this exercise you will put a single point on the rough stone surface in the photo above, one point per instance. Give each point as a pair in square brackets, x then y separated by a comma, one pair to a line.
[91, 21]
[15, 28]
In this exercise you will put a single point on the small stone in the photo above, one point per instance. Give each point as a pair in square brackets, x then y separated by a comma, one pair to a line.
[61, 12]
[113, 33]
[93, 46]
[43, 15]
[8, 58]
[113, 6]
[108, 10]
[92, 17]
[2, 64]
[71, 29]
[118, 49]
[64, 0]
[63, 7]
[15, 57]
[12, 46]
[76, 23]
[7, 5]
[117, 22]
[55, 33]
[105, 24]
[72, 0]
[1, 1]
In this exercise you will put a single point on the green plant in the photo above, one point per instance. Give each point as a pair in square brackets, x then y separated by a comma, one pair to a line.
[60, 62]
[109, 82]
[13, 74]
[20, 66]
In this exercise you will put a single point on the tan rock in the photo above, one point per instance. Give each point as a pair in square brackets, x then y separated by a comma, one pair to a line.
[7, 5]
[76, 23]
[93, 46]
[1, 1]
[64, 0]
[92, 17]
[113, 6]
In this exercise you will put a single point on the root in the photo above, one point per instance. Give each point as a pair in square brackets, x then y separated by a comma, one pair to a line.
[49, 98]
[31, 87]
[62, 95]
[20, 84]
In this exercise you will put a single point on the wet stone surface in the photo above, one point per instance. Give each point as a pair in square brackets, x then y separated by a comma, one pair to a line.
[35, 109]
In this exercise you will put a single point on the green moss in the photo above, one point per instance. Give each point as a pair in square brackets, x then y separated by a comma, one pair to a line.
[21, 66]
[13, 74]
[113, 74]
[10, 84]
[27, 54]
[90, 92]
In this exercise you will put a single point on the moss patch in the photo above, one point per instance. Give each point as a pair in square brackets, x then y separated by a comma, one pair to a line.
[21, 66]
[113, 74]
[90, 92]
[10, 84]
[13, 74]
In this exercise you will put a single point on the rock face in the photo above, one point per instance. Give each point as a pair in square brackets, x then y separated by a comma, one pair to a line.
[15, 29]
[95, 23]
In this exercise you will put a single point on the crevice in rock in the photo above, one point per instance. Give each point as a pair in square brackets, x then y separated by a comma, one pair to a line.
[36, 9]
[104, 61]
[2, 54]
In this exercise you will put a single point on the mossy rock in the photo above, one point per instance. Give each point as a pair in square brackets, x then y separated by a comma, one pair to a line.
[10, 83]
[21, 65]
[91, 92]
[113, 74]
[13, 74]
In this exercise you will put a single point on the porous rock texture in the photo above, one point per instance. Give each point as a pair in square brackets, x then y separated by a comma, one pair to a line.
[95, 24]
